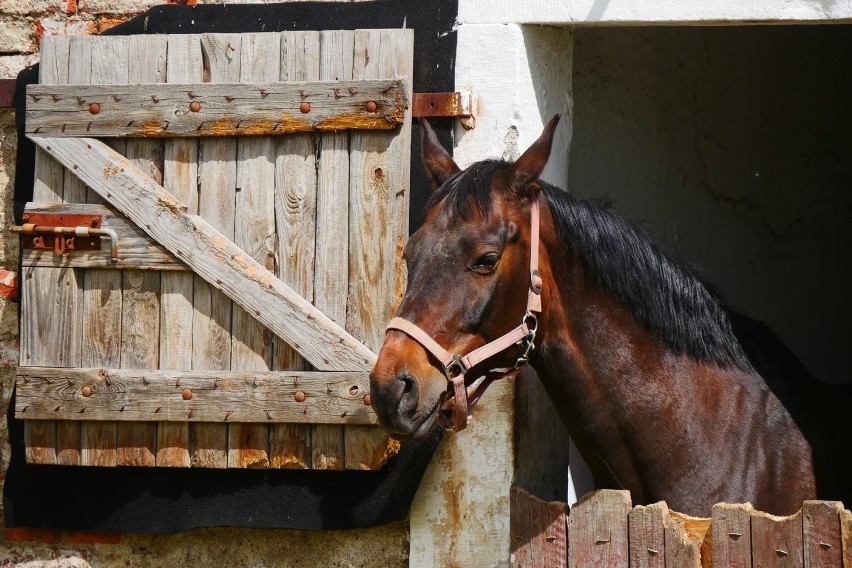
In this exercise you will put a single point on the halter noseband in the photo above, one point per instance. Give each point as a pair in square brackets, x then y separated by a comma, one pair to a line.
[456, 366]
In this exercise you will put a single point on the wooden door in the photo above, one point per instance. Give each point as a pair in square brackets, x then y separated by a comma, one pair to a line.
[259, 196]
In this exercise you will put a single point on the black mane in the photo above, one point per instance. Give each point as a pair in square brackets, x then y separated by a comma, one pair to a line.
[663, 296]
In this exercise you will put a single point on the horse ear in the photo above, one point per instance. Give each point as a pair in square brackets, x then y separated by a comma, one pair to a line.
[529, 166]
[439, 164]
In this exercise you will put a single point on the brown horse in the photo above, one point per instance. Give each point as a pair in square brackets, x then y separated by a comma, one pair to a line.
[637, 355]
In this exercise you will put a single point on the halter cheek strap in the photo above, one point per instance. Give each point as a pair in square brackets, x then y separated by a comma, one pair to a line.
[456, 366]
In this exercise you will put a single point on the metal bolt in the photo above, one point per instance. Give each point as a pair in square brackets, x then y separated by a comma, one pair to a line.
[367, 400]
[371, 106]
[305, 107]
[186, 394]
[195, 106]
[87, 391]
[299, 396]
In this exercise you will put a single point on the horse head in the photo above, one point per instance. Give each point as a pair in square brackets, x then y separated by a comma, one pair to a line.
[469, 311]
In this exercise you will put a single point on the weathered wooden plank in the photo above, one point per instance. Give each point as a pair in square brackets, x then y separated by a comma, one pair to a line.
[598, 530]
[821, 538]
[846, 537]
[538, 538]
[776, 541]
[688, 541]
[295, 224]
[180, 177]
[647, 527]
[43, 290]
[135, 248]
[210, 254]
[379, 189]
[79, 72]
[214, 396]
[732, 535]
[140, 323]
[254, 232]
[234, 109]
[102, 297]
[331, 276]
[217, 170]
[53, 70]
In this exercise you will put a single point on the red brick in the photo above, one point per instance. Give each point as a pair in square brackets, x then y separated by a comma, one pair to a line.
[8, 284]
[183, 2]
[34, 535]
[70, 26]
[106, 23]
[82, 537]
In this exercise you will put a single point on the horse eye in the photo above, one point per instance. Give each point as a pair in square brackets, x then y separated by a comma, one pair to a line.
[485, 263]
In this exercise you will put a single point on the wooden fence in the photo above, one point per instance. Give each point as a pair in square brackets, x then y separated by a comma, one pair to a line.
[604, 529]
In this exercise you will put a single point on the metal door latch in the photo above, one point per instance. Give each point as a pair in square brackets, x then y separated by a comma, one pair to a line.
[64, 232]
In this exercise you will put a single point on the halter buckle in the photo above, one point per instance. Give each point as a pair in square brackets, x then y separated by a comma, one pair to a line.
[455, 368]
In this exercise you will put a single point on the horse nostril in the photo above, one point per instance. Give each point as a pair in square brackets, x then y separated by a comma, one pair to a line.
[408, 398]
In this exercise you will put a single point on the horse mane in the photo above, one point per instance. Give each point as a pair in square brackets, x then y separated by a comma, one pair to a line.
[664, 296]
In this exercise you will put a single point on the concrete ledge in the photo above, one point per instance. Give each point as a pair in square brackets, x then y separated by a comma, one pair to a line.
[627, 12]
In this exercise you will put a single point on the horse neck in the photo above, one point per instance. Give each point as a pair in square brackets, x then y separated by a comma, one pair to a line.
[612, 381]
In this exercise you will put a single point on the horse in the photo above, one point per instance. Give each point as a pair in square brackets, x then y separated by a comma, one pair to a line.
[639, 356]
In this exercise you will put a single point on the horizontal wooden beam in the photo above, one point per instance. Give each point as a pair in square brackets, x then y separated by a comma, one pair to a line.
[208, 253]
[135, 248]
[48, 393]
[213, 109]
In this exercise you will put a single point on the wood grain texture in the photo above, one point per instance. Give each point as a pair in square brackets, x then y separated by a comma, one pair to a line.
[102, 295]
[180, 177]
[135, 248]
[688, 541]
[140, 313]
[215, 396]
[776, 541]
[254, 232]
[846, 537]
[295, 220]
[598, 530]
[378, 217]
[538, 536]
[79, 72]
[331, 268]
[212, 255]
[647, 526]
[237, 109]
[732, 535]
[821, 537]
[217, 172]
[44, 290]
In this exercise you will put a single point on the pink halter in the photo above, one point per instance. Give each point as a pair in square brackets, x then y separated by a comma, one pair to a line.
[455, 366]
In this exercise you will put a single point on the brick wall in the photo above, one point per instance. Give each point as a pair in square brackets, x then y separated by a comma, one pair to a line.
[22, 25]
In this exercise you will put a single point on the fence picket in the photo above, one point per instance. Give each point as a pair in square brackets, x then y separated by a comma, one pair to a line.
[598, 530]
[821, 534]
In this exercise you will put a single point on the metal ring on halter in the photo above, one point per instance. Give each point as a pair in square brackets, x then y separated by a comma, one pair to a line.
[455, 365]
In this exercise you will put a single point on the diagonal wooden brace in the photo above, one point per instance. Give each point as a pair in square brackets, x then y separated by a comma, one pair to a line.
[211, 255]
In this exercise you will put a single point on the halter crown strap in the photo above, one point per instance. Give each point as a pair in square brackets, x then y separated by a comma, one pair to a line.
[456, 366]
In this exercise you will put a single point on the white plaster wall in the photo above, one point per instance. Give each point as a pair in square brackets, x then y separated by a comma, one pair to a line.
[521, 76]
[732, 147]
[679, 12]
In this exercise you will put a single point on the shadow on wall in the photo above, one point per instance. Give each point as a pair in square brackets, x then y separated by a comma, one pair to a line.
[731, 146]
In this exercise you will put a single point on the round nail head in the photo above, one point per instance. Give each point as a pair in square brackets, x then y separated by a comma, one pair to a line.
[94, 108]
[299, 396]
[87, 391]
[305, 108]
[186, 394]
[371, 106]
[367, 400]
[195, 106]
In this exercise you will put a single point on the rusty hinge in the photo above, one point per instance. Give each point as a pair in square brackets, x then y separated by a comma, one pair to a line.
[64, 232]
[456, 104]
